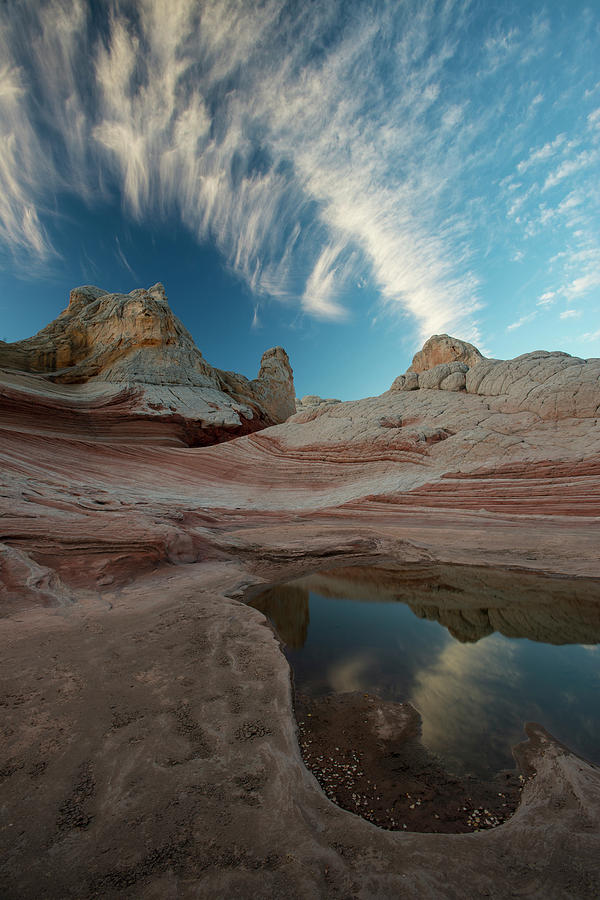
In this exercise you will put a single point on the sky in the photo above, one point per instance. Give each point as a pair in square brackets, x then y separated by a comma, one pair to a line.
[340, 178]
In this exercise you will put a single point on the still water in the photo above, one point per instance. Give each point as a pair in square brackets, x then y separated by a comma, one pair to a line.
[477, 654]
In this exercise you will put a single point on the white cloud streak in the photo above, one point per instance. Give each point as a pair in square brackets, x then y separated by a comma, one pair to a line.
[542, 153]
[584, 283]
[123, 259]
[20, 159]
[553, 196]
[313, 145]
[547, 299]
[590, 337]
[235, 117]
[569, 167]
[320, 288]
[522, 321]
[593, 118]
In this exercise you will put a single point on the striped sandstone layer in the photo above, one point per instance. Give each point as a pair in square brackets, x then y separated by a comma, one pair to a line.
[149, 744]
[125, 359]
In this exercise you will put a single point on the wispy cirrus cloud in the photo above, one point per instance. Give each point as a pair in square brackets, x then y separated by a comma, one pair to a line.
[539, 154]
[271, 155]
[584, 283]
[523, 320]
[570, 166]
[21, 167]
[590, 337]
[322, 284]
[553, 196]
[314, 145]
[547, 298]
[123, 259]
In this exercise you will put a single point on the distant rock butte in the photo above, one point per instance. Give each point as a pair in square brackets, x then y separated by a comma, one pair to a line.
[108, 346]
[311, 400]
[441, 348]
[554, 385]
[313, 406]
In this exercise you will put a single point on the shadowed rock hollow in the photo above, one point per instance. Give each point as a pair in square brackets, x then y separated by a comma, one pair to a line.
[148, 744]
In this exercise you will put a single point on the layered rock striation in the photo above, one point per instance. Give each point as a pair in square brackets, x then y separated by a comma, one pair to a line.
[130, 350]
[150, 743]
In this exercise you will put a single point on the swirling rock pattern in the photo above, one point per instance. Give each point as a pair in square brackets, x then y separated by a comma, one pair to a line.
[130, 348]
[148, 741]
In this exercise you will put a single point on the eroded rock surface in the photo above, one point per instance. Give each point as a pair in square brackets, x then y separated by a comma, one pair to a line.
[554, 385]
[441, 348]
[130, 349]
[148, 743]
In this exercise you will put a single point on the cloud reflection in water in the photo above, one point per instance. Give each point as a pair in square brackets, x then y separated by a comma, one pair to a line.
[466, 692]
[477, 652]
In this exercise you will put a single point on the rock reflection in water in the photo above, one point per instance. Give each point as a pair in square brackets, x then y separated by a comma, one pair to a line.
[473, 682]
[287, 607]
[470, 602]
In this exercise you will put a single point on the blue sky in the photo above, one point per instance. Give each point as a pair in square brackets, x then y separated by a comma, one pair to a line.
[341, 178]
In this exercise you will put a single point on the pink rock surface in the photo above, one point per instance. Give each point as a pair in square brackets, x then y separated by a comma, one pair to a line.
[429, 451]
[150, 743]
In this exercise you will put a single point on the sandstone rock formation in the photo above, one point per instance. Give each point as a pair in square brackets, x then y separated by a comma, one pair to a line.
[310, 401]
[554, 385]
[131, 349]
[311, 406]
[444, 377]
[148, 741]
[441, 348]
[274, 386]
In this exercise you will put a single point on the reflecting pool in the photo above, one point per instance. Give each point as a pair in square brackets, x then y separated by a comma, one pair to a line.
[478, 653]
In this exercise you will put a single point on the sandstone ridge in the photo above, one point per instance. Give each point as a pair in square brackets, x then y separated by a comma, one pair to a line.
[552, 384]
[149, 743]
[132, 347]
[442, 348]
